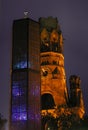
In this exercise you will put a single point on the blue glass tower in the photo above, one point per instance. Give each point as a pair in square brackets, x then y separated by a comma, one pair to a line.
[25, 76]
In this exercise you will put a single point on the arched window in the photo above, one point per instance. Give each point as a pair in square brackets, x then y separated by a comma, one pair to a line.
[47, 101]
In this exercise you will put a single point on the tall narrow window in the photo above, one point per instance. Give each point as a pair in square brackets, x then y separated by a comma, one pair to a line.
[19, 96]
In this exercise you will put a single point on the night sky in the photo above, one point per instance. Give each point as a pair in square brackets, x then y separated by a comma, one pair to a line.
[73, 19]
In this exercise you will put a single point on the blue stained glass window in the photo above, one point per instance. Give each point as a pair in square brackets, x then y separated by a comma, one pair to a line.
[17, 109]
[18, 91]
[15, 84]
[19, 116]
[19, 96]
[21, 64]
[19, 112]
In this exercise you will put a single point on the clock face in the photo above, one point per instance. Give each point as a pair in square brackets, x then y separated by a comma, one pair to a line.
[54, 37]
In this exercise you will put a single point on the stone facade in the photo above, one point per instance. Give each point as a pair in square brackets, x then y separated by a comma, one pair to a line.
[53, 78]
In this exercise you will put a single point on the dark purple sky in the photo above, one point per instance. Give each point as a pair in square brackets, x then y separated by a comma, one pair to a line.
[73, 18]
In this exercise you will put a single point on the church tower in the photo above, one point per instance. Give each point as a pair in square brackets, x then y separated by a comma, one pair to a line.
[53, 78]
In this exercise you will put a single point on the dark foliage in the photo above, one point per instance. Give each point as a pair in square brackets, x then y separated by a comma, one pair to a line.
[2, 121]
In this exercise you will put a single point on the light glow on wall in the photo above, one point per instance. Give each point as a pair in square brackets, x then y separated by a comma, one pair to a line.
[19, 91]
[21, 64]
[19, 116]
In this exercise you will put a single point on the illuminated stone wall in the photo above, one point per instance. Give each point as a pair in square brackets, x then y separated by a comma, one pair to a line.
[54, 81]
[53, 78]
[76, 97]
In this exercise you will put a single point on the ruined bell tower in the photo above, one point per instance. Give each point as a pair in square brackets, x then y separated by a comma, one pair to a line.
[53, 78]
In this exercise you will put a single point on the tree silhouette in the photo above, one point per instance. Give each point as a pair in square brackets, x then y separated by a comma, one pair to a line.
[2, 121]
